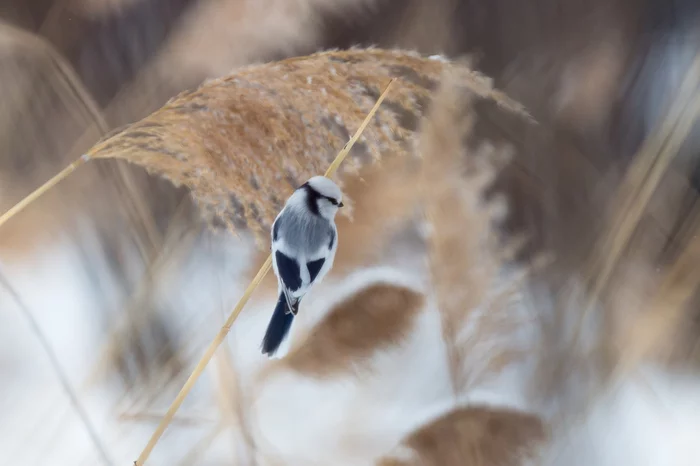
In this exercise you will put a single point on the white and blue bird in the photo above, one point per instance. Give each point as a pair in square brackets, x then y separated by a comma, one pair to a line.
[304, 242]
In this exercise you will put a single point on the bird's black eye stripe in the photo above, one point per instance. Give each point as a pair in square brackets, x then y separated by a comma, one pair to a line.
[330, 199]
[314, 195]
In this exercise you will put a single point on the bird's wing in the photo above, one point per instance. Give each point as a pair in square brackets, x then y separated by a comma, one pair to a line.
[288, 275]
[314, 268]
[288, 271]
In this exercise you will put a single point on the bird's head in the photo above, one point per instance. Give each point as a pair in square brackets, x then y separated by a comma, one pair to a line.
[323, 196]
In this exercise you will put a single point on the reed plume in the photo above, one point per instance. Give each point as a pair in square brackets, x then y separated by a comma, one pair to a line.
[243, 142]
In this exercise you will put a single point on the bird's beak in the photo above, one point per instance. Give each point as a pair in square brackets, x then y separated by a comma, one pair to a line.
[341, 204]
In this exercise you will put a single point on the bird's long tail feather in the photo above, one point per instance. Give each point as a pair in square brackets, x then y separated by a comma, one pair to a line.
[279, 325]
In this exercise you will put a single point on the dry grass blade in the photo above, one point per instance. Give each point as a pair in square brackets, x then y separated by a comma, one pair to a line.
[637, 189]
[657, 325]
[663, 314]
[79, 103]
[72, 91]
[31, 44]
[644, 176]
[209, 353]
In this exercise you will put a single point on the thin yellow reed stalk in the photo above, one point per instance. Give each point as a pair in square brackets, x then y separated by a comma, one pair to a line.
[209, 353]
[63, 174]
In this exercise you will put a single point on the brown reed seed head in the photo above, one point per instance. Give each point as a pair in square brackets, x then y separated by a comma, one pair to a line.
[243, 143]
[477, 436]
[374, 318]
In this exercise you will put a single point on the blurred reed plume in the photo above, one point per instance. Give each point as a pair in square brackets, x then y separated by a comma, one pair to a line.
[476, 436]
[453, 323]
[476, 293]
[241, 143]
[264, 269]
[466, 256]
[376, 317]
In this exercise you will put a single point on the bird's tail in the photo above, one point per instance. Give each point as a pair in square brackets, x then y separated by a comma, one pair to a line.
[279, 325]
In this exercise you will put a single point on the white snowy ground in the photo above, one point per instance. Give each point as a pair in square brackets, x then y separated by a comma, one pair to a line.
[346, 421]
[38, 425]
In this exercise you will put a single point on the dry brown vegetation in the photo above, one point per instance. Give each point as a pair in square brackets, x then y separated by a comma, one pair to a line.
[463, 248]
[620, 292]
[474, 436]
[221, 176]
[242, 143]
[377, 317]
[465, 265]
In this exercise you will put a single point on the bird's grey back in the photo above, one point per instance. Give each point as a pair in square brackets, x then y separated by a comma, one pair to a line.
[304, 232]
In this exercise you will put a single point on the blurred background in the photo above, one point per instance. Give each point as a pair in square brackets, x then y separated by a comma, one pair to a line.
[105, 280]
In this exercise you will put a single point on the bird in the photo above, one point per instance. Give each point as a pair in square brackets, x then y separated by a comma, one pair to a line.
[304, 243]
